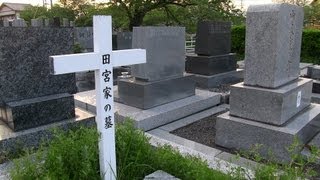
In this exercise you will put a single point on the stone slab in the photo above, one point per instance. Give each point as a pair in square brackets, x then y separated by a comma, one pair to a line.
[211, 65]
[272, 106]
[30, 113]
[195, 117]
[124, 40]
[185, 142]
[316, 86]
[10, 141]
[24, 62]
[217, 80]
[145, 95]
[213, 38]
[160, 175]
[315, 98]
[241, 134]
[314, 72]
[165, 48]
[273, 44]
[157, 116]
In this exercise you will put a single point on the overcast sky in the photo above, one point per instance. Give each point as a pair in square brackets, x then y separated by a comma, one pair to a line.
[40, 2]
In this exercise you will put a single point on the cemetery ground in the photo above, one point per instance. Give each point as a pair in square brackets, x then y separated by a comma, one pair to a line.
[74, 155]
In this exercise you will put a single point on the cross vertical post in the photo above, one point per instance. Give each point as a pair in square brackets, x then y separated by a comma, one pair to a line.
[102, 60]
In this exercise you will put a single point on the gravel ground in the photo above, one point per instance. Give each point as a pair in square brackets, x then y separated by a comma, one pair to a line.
[203, 132]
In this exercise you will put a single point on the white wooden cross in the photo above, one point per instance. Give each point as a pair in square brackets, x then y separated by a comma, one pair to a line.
[102, 60]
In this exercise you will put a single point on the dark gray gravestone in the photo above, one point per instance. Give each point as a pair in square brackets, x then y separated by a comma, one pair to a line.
[124, 40]
[213, 56]
[84, 36]
[213, 38]
[161, 79]
[29, 95]
[165, 52]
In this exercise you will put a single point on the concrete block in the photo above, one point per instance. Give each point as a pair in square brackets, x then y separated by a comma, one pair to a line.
[314, 72]
[145, 95]
[241, 134]
[272, 106]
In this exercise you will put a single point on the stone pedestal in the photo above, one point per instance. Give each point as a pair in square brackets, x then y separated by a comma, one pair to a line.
[210, 65]
[241, 134]
[213, 65]
[214, 81]
[145, 95]
[271, 109]
[29, 113]
[271, 106]
[316, 86]
[29, 95]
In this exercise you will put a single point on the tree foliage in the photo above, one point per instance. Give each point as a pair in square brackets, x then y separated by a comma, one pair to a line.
[34, 12]
[175, 12]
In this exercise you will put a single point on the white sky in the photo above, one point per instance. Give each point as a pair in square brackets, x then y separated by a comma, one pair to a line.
[246, 3]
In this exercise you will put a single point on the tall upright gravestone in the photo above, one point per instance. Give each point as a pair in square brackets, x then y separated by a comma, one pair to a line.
[29, 95]
[272, 106]
[161, 79]
[213, 64]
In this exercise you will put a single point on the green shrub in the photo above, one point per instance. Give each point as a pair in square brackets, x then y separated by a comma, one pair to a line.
[74, 155]
[238, 37]
[310, 46]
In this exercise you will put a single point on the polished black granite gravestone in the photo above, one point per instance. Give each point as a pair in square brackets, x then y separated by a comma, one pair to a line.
[29, 95]
[213, 38]
[211, 65]
[213, 57]
[161, 79]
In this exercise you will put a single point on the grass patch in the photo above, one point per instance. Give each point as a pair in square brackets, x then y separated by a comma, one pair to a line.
[74, 155]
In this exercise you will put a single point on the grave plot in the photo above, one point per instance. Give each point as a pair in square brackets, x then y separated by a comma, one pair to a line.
[272, 107]
[213, 65]
[159, 92]
[31, 99]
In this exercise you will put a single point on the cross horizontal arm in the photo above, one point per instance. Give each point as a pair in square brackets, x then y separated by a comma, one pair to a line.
[72, 63]
[128, 57]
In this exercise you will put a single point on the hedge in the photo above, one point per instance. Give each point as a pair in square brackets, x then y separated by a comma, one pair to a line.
[310, 47]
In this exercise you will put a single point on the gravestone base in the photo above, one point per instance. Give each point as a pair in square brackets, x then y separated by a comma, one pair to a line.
[272, 106]
[211, 65]
[157, 116]
[145, 95]
[217, 80]
[13, 142]
[30, 113]
[316, 86]
[314, 72]
[242, 134]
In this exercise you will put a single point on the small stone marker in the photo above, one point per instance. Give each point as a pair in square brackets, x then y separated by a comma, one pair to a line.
[273, 54]
[102, 60]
